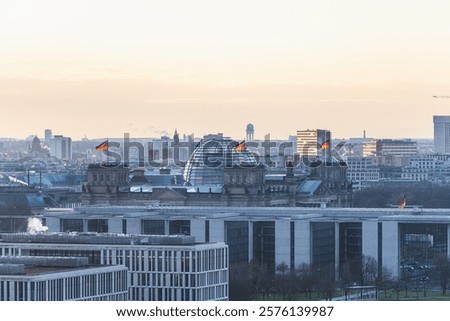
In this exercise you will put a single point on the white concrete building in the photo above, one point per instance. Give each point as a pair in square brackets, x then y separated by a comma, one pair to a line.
[396, 147]
[361, 170]
[61, 147]
[60, 279]
[280, 235]
[419, 168]
[163, 268]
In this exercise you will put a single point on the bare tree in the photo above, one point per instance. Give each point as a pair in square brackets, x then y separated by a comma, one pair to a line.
[286, 280]
[384, 280]
[306, 279]
[264, 282]
[241, 282]
[369, 270]
[442, 271]
[326, 281]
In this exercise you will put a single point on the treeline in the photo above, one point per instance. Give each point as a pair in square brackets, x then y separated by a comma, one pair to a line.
[425, 194]
[252, 281]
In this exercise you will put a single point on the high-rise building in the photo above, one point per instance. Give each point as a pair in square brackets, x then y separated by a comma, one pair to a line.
[441, 134]
[315, 143]
[48, 135]
[61, 147]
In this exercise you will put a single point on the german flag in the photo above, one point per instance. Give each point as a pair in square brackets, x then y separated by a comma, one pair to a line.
[402, 202]
[325, 144]
[103, 146]
[240, 147]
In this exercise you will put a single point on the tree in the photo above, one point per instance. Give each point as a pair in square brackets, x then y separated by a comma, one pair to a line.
[326, 280]
[306, 279]
[241, 282]
[369, 270]
[442, 271]
[264, 282]
[286, 281]
[384, 280]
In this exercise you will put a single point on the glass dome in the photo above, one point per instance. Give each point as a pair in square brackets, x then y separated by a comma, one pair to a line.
[206, 165]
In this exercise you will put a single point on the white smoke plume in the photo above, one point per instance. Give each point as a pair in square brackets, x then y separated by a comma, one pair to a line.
[35, 226]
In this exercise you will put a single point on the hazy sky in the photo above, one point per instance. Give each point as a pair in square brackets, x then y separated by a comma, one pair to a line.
[101, 68]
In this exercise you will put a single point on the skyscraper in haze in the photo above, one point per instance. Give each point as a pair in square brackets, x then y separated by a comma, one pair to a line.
[61, 147]
[48, 135]
[441, 134]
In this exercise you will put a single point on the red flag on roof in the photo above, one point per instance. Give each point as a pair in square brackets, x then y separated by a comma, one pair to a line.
[325, 144]
[240, 147]
[403, 202]
[102, 146]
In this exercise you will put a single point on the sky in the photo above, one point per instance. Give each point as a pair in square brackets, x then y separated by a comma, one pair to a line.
[102, 68]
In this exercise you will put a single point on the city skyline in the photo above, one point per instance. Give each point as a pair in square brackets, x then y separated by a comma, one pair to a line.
[104, 68]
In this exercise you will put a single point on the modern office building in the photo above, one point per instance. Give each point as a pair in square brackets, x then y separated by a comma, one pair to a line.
[27, 278]
[441, 134]
[420, 168]
[273, 236]
[361, 170]
[314, 143]
[396, 147]
[61, 147]
[161, 268]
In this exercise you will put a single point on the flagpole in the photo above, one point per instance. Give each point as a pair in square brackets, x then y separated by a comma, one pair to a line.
[107, 149]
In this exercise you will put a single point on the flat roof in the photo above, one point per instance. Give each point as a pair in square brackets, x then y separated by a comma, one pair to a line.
[155, 211]
[25, 266]
[97, 238]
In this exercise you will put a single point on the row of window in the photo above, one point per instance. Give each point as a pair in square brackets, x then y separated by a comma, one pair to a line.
[86, 287]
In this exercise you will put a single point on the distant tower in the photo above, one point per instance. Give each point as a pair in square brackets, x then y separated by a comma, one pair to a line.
[441, 134]
[250, 132]
[176, 147]
[176, 138]
[36, 145]
[48, 135]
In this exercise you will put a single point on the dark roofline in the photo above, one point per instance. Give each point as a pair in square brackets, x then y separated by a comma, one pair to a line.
[108, 165]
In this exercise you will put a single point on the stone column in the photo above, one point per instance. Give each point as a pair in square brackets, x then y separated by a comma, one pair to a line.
[282, 242]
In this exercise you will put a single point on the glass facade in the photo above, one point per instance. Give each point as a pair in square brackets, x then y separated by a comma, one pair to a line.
[264, 243]
[420, 245]
[237, 239]
[71, 225]
[152, 227]
[205, 166]
[323, 243]
[350, 241]
[97, 225]
[180, 227]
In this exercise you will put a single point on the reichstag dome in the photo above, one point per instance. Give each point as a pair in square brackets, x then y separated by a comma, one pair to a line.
[207, 163]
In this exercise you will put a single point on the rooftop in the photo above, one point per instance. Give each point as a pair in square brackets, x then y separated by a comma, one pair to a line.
[96, 238]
